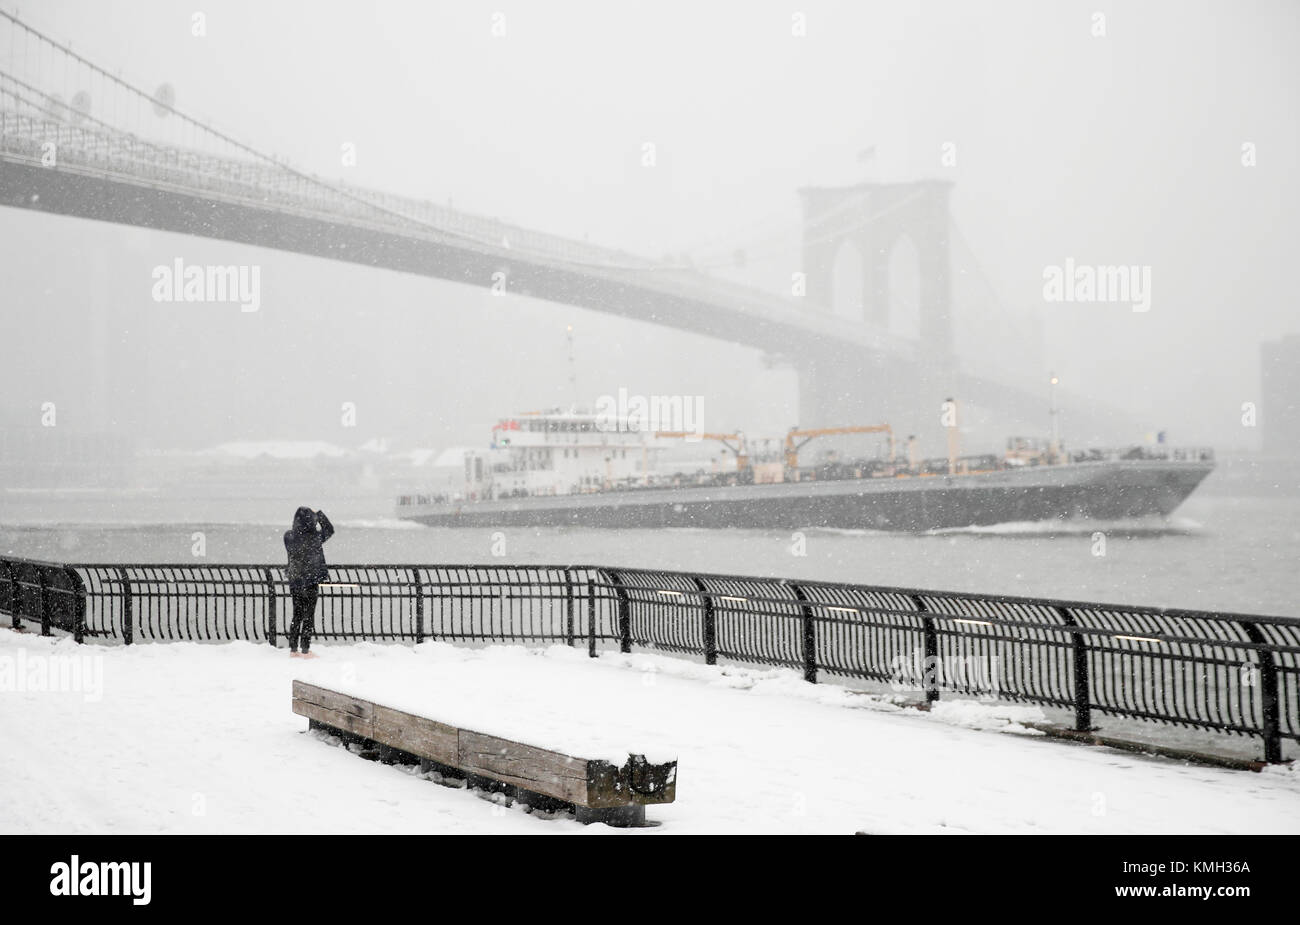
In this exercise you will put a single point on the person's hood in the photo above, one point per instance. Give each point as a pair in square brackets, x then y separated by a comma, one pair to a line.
[304, 520]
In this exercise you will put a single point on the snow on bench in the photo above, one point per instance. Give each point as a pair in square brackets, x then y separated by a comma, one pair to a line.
[599, 790]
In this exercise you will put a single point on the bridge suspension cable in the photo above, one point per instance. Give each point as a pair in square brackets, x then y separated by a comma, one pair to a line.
[92, 87]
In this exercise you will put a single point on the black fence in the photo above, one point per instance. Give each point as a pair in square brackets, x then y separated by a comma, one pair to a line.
[1230, 673]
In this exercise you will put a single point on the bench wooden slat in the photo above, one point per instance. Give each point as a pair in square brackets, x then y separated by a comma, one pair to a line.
[542, 771]
[344, 721]
[417, 735]
[333, 700]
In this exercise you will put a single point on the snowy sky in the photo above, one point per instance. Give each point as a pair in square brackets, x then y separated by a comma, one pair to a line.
[1115, 149]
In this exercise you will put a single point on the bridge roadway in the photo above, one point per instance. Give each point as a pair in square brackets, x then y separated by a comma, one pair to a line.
[848, 371]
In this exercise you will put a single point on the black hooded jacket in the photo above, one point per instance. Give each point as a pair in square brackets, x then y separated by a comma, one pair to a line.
[305, 547]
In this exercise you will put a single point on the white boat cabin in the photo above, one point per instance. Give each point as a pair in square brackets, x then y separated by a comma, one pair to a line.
[560, 453]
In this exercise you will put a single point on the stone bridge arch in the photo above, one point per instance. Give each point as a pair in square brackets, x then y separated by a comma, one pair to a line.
[872, 218]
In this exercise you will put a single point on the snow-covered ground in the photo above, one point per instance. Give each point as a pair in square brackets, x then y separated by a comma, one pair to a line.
[201, 738]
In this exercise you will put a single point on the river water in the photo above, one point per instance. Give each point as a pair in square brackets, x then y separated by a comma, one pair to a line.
[1218, 552]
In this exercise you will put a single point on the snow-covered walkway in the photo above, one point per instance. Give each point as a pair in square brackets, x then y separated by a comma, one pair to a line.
[201, 738]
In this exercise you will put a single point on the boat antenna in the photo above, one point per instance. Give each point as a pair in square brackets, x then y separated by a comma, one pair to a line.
[573, 369]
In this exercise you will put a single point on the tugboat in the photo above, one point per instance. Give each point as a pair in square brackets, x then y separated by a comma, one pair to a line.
[567, 468]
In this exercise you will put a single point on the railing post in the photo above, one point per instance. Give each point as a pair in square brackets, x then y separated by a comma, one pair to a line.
[568, 607]
[1268, 695]
[930, 640]
[78, 606]
[271, 620]
[710, 625]
[128, 612]
[591, 618]
[809, 636]
[419, 606]
[624, 614]
[1082, 678]
[44, 601]
[15, 611]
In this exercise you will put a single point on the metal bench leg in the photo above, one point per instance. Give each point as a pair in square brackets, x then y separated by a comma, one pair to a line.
[629, 816]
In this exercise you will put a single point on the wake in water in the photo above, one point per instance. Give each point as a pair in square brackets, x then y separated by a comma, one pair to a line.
[1128, 528]
[384, 523]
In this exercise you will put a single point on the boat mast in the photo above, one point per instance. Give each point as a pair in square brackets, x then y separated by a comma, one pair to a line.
[1055, 450]
[573, 369]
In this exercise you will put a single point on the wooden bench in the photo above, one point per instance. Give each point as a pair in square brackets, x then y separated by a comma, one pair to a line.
[597, 790]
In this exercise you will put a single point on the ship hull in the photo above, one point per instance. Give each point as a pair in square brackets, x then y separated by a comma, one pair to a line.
[1095, 491]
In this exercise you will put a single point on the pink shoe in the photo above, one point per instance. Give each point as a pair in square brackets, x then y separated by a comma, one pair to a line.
[294, 655]
[309, 655]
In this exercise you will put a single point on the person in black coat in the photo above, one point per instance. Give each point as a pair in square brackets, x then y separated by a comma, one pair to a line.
[305, 546]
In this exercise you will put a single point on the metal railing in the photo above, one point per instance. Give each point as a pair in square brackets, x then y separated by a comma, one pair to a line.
[47, 593]
[1225, 672]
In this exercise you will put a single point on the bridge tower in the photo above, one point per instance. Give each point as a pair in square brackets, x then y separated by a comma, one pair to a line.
[871, 218]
